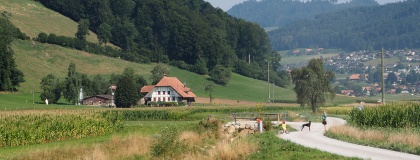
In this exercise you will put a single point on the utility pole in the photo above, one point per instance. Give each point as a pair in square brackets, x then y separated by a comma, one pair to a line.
[268, 80]
[33, 97]
[382, 75]
[273, 91]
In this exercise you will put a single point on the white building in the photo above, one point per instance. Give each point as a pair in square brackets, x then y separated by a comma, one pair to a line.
[168, 89]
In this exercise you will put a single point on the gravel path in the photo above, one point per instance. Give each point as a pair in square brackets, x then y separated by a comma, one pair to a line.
[316, 139]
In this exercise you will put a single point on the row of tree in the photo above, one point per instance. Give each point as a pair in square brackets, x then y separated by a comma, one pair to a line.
[392, 26]
[10, 75]
[190, 34]
[283, 12]
[126, 95]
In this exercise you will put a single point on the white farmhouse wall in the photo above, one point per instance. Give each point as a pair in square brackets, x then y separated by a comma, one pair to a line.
[173, 96]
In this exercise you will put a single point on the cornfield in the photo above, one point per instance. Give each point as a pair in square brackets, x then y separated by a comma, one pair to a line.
[337, 110]
[35, 128]
[390, 115]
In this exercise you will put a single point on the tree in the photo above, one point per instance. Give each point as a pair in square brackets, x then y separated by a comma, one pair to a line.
[72, 85]
[312, 84]
[10, 76]
[126, 94]
[99, 85]
[209, 87]
[392, 77]
[220, 75]
[157, 73]
[358, 90]
[104, 33]
[49, 87]
[82, 29]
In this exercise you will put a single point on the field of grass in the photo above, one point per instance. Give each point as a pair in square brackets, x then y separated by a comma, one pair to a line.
[38, 60]
[32, 18]
[302, 58]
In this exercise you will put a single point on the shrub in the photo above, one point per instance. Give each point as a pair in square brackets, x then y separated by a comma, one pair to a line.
[167, 145]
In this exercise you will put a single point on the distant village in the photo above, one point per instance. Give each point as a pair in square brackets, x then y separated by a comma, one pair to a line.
[358, 73]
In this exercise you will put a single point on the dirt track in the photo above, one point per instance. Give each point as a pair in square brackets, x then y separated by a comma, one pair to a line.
[239, 103]
[316, 139]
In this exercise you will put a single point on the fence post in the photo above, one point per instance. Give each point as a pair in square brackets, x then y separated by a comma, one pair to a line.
[234, 117]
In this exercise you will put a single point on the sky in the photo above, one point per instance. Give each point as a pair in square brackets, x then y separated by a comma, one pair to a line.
[227, 4]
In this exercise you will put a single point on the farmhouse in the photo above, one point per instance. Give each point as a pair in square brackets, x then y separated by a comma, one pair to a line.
[168, 89]
[98, 100]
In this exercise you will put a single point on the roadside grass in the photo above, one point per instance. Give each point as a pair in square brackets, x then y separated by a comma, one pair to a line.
[398, 139]
[272, 147]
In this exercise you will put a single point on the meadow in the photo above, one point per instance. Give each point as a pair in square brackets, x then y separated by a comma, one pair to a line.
[142, 132]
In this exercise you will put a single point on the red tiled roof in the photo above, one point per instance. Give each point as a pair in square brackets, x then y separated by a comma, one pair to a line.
[146, 89]
[177, 85]
[355, 77]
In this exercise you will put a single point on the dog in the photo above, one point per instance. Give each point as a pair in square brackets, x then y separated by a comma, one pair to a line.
[307, 125]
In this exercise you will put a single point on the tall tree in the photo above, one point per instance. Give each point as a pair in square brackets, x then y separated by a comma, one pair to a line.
[209, 89]
[126, 94]
[49, 85]
[392, 77]
[10, 76]
[312, 84]
[99, 85]
[104, 33]
[82, 29]
[72, 85]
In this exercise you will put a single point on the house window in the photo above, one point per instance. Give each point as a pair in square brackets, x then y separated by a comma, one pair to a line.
[163, 92]
[164, 99]
[160, 98]
[158, 92]
[154, 99]
[169, 92]
[173, 99]
[169, 99]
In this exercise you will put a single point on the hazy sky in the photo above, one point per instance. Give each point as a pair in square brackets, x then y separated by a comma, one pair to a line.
[227, 4]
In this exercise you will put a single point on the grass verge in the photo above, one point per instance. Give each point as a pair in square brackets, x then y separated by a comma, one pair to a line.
[272, 147]
[402, 140]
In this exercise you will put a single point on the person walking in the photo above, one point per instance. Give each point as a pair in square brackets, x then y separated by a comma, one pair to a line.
[324, 120]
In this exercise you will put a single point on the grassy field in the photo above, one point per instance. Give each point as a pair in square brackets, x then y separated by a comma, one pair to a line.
[32, 18]
[146, 132]
[302, 58]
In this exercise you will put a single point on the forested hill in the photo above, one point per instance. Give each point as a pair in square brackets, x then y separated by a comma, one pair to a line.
[190, 34]
[392, 26]
[271, 13]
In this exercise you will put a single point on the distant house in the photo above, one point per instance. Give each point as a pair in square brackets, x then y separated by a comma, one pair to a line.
[98, 100]
[347, 92]
[356, 77]
[168, 89]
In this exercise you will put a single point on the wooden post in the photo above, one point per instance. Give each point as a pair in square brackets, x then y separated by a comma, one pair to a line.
[278, 118]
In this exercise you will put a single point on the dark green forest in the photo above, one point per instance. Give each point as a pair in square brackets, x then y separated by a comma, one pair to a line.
[392, 26]
[270, 13]
[190, 34]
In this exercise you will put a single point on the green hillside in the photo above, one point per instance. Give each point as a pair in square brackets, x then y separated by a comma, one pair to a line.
[37, 60]
[33, 18]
